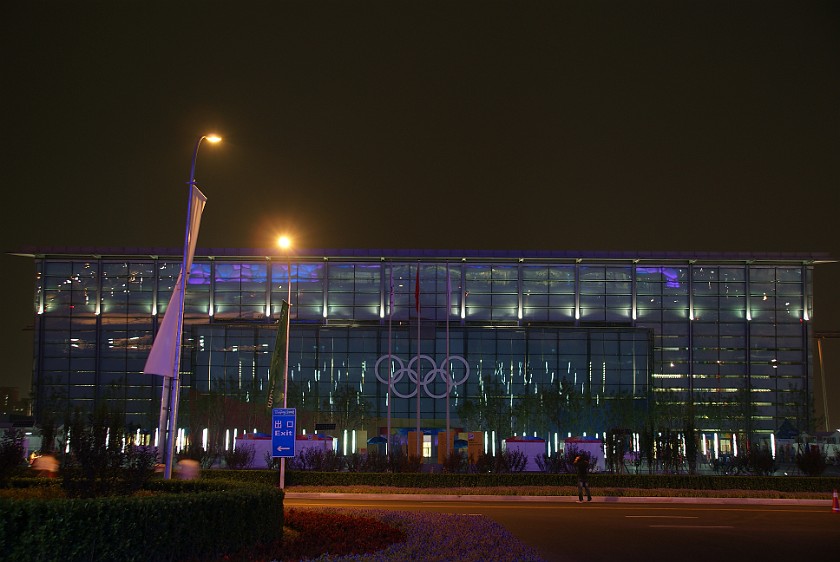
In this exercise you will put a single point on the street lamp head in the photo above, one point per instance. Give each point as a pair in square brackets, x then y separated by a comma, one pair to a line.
[213, 138]
[284, 242]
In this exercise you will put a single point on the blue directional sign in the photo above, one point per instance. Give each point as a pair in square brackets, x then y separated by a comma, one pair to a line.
[283, 431]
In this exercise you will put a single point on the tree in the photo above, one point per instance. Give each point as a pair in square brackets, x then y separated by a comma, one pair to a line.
[530, 414]
[103, 457]
[224, 407]
[617, 444]
[668, 411]
[799, 408]
[570, 414]
[690, 436]
[347, 409]
[647, 444]
[623, 410]
[11, 454]
[306, 407]
[490, 411]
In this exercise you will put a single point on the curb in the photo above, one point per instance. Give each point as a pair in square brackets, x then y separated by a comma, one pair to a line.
[553, 499]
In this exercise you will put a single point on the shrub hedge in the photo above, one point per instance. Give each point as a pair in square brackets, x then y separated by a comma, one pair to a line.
[174, 520]
[449, 480]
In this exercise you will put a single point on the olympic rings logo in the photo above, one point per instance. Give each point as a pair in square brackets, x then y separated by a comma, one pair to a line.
[411, 370]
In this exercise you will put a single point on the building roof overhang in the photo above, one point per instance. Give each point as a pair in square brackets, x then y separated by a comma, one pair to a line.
[431, 255]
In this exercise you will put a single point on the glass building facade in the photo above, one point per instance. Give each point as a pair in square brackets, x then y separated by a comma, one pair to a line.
[723, 338]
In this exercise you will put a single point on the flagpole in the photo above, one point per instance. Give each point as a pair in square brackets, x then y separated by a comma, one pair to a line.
[166, 385]
[174, 386]
[417, 367]
[449, 438]
[390, 369]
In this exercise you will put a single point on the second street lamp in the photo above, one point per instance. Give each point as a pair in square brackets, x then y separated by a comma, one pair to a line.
[285, 243]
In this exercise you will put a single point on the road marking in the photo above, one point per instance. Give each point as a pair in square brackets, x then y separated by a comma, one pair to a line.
[691, 526]
[661, 517]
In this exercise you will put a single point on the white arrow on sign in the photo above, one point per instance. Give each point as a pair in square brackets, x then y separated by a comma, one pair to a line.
[281, 448]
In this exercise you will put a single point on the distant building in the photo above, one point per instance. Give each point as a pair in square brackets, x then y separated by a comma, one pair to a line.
[14, 411]
[8, 399]
[12, 403]
[723, 338]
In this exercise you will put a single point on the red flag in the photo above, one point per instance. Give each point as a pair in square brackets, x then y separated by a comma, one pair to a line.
[417, 290]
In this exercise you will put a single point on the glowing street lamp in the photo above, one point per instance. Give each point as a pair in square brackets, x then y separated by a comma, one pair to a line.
[172, 385]
[285, 244]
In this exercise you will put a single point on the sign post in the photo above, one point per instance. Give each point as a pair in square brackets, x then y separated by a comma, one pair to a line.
[283, 424]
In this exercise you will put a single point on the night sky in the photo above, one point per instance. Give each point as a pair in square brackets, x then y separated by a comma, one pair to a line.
[680, 126]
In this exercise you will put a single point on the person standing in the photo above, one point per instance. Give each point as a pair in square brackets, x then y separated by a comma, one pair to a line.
[582, 466]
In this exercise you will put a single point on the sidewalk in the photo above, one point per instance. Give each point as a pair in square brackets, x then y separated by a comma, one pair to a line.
[557, 499]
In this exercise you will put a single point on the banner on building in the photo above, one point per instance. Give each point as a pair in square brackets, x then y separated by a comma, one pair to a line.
[277, 368]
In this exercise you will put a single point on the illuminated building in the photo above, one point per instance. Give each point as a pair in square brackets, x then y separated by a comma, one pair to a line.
[725, 338]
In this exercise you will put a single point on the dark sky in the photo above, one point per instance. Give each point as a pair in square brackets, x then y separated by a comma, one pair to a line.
[679, 125]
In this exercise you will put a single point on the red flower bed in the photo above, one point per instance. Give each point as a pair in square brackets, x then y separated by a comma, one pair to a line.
[320, 532]
[337, 534]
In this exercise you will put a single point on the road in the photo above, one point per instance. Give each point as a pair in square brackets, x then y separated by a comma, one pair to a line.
[617, 529]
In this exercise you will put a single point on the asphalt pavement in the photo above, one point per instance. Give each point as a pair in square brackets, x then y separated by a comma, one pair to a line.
[563, 531]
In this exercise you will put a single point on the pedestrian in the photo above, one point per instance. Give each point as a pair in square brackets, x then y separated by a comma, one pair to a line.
[45, 465]
[582, 465]
[187, 469]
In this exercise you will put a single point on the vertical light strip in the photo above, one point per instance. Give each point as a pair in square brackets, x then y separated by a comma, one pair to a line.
[382, 288]
[519, 289]
[633, 290]
[98, 287]
[464, 294]
[155, 291]
[748, 291]
[691, 291]
[268, 280]
[603, 377]
[326, 288]
[43, 280]
[806, 292]
[212, 305]
[577, 290]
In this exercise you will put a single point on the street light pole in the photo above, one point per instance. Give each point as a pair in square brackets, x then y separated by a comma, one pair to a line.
[171, 390]
[285, 243]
